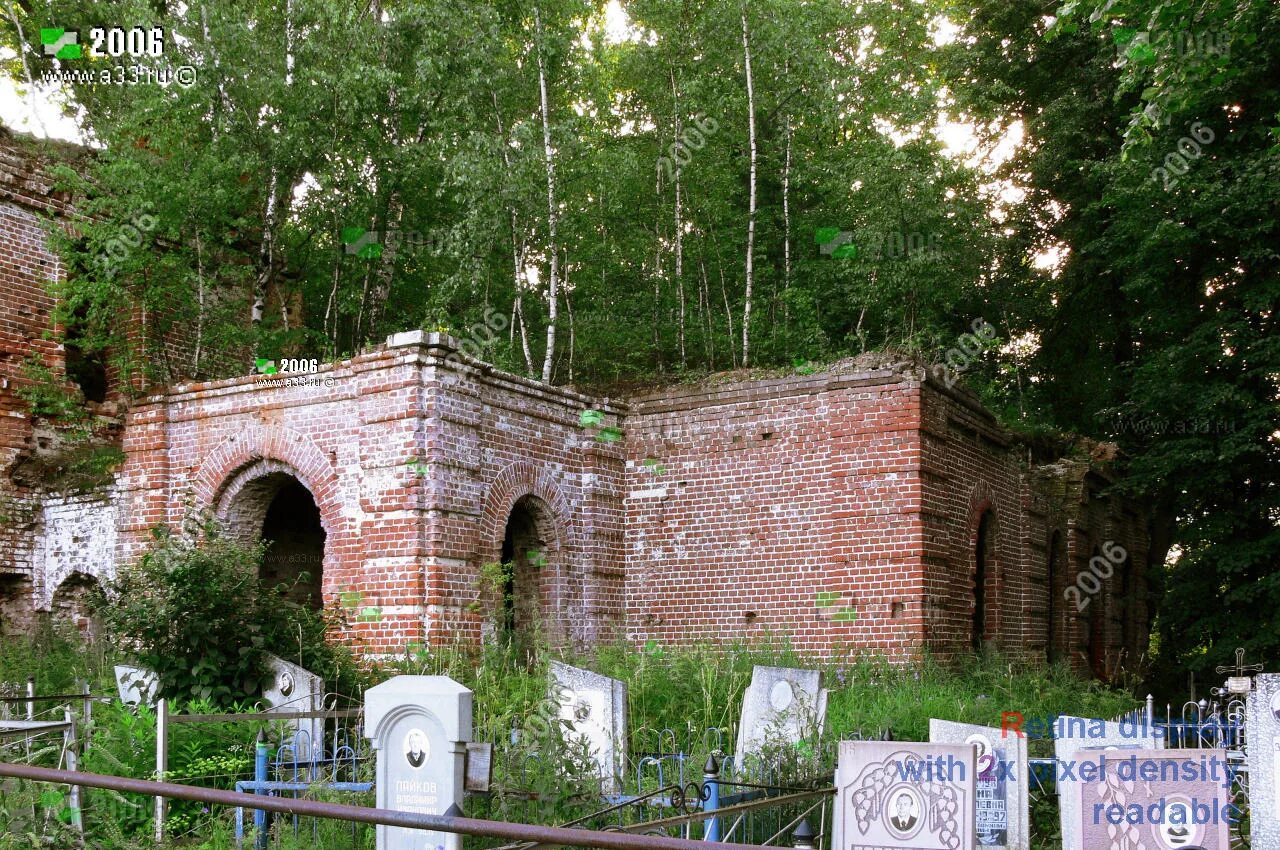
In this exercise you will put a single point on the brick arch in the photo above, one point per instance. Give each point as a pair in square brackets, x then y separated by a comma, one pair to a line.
[71, 603]
[250, 459]
[982, 503]
[509, 487]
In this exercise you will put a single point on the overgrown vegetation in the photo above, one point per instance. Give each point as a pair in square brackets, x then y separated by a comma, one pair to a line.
[683, 690]
[200, 617]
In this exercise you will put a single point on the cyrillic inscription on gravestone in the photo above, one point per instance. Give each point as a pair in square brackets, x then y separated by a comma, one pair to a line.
[1002, 816]
[892, 795]
[420, 726]
[1157, 800]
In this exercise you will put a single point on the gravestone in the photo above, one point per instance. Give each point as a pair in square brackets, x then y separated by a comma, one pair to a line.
[1157, 799]
[893, 795]
[136, 685]
[783, 705]
[1263, 729]
[1077, 742]
[596, 707]
[295, 688]
[420, 727]
[1003, 812]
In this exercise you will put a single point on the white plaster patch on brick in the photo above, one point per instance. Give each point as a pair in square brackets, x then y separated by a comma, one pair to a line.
[652, 493]
[76, 534]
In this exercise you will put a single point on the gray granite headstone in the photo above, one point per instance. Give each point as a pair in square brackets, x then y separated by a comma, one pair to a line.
[1262, 728]
[420, 727]
[783, 705]
[1003, 816]
[595, 706]
[1079, 740]
[295, 688]
[1157, 799]
[904, 795]
[136, 685]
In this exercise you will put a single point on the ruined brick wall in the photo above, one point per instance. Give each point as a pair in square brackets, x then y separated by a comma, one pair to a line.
[789, 507]
[26, 264]
[415, 466]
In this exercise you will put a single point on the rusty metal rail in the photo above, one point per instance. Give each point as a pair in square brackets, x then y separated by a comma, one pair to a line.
[547, 835]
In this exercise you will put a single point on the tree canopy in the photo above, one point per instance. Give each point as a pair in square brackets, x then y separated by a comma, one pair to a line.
[652, 189]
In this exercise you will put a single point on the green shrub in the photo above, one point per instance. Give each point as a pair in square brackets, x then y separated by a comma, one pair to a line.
[199, 616]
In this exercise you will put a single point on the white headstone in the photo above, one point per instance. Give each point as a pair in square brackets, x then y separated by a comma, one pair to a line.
[1078, 742]
[136, 685]
[596, 708]
[1158, 799]
[295, 688]
[782, 706]
[1263, 728]
[419, 726]
[1003, 812]
[893, 795]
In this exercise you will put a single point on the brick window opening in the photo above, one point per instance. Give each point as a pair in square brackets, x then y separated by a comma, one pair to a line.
[15, 601]
[982, 560]
[1053, 642]
[527, 553]
[1096, 644]
[87, 371]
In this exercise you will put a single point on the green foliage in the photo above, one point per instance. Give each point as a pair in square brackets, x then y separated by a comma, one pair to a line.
[199, 616]
[47, 394]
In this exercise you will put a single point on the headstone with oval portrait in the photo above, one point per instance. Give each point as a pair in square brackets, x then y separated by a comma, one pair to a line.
[295, 688]
[1263, 729]
[1156, 800]
[1002, 816]
[783, 705]
[595, 709]
[420, 727]
[892, 795]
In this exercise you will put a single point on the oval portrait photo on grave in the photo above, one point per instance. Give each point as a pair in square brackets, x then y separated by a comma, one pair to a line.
[1177, 830]
[905, 811]
[286, 683]
[417, 749]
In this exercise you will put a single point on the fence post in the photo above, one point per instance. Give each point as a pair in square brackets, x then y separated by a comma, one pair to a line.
[711, 782]
[73, 763]
[260, 775]
[87, 714]
[162, 761]
[31, 712]
[802, 837]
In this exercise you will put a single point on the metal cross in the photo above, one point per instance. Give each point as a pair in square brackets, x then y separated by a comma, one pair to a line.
[1240, 668]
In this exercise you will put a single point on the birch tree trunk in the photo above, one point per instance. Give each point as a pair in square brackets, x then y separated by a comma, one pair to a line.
[517, 248]
[679, 222]
[751, 205]
[553, 285]
[786, 234]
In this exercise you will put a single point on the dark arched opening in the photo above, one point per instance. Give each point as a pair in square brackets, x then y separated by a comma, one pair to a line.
[982, 561]
[74, 605]
[526, 545]
[295, 539]
[1097, 626]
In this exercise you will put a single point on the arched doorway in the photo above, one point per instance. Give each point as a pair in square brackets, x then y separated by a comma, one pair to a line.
[529, 548]
[981, 575]
[72, 605]
[277, 509]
